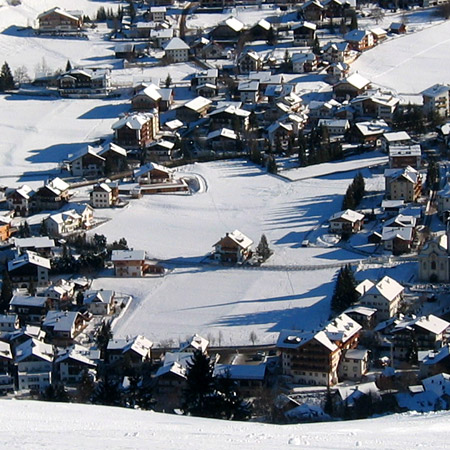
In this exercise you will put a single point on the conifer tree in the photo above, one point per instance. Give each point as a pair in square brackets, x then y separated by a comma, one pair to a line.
[263, 250]
[197, 397]
[6, 78]
[344, 294]
[104, 335]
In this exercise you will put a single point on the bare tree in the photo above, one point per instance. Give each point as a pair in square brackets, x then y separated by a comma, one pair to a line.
[253, 337]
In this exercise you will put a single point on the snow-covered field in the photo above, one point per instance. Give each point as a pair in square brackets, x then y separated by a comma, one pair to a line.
[39, 133]
[231, 301]
[410, 63]
[28, 425]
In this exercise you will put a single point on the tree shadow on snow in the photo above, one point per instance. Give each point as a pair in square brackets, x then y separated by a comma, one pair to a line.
[107, 111]
[293, 317]
[56, 153]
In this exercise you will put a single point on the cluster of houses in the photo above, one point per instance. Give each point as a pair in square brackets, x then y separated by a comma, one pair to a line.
[333, 356]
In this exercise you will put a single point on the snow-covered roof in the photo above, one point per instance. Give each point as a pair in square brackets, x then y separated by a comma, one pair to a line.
[198, 103]
[151, 92]
[402, 233]
[24, 191]
[93, 296]
[387, 287]
[230, 109]
[401, 221]
[348, 215]
[59, 11]
[85, 151]
[58, 184]
[436, 90]
[197, 342]
[409, 173]
[356, 353]
[364, 286]
[357, 80]
[138, 344]
[176, 368]
[34, 242]
[373, 127]
[128, 255]
[28, 300]
[378, 31]
[223, 132]
[5, 350]
[102, 187]
[149, 167]
[430, 323]
[359, 309]
[264, 24]
[341, 328]
[235, 24]
[33, 347]
[356, 35]
[134, 121]
[240, 238]
[305, 24]
[62, 321]
[28, 258]
[162, 143]
[395, 136]
[252, 86]
[241, 371]
[173, 124]
[176, 44]
[80, 354]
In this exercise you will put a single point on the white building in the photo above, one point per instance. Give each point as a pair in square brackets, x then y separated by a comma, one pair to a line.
[34, 365]
[177, 50]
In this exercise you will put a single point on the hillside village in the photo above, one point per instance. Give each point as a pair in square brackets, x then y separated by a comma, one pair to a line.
[234, 141]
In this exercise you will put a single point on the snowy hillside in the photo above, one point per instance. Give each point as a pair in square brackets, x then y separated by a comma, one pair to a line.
[30, 425]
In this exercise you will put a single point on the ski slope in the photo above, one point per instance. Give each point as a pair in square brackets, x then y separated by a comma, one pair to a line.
[28, 425]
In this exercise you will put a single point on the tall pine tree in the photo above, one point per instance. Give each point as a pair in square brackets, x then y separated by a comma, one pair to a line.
[344, 294]
[6, 78]
[198, 395]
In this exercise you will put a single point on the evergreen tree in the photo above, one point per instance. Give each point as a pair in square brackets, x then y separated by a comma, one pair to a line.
[354, 22]
[433, 175]
[6, 292]
[198, 395]
[349, 199]
[262, 250]
[344, 294]
[229, 404]
[85, 388]
[107, 392]
[168, 81]
[68, 66]
[55, 392]
[6, 78]
[104, 335]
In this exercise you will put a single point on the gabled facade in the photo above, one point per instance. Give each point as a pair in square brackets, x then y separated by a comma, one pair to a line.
[136, 130]
[346, 222]
[29, 268]
[57, 20]
[385, 296]
[235, 247]
[403, 184]
[312, 358]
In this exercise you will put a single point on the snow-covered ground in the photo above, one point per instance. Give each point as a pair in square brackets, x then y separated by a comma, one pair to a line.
[410, 63]
[29, 425]
[26, 13]
[234, 302]
[39, 133]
